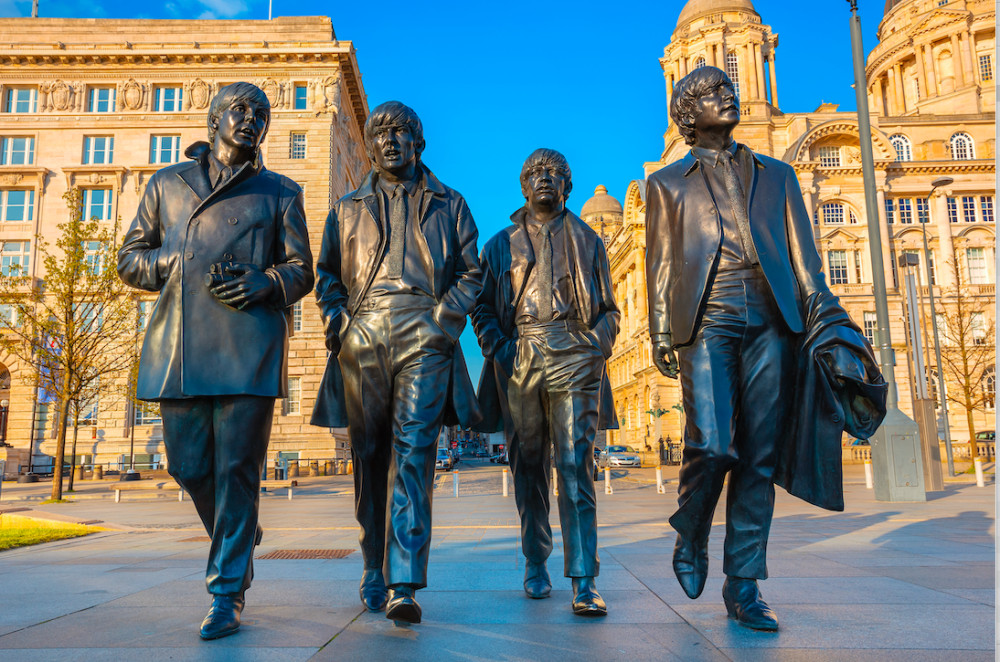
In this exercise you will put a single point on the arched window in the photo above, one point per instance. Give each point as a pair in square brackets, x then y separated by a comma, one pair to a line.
[990, 389]
[699, 63]
[900, 143]
[733, 71]
[962, 147]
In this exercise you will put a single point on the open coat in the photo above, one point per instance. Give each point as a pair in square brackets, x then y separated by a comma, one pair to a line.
[507, 260]
[195, 345]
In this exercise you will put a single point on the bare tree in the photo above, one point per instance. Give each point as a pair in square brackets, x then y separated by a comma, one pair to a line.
[968, 349]
[73, 325]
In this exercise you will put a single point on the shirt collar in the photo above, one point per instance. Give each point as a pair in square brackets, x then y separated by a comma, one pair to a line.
[555, 225]
[411, 186]
[710, 157]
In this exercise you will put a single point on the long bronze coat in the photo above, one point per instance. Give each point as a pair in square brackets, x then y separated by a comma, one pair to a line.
[353, 243]
[684, 232]
[507, 260]
[195, 345]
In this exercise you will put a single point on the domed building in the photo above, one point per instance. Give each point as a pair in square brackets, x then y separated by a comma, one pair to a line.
[932, 99]
[602, 212]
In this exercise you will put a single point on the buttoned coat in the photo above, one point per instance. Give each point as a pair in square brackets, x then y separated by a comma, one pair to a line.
[508, 259]
[195, 345]
[684, 233]
[354, 243]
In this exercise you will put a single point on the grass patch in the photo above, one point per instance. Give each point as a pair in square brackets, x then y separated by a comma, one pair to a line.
[18, 531]
[57, 501]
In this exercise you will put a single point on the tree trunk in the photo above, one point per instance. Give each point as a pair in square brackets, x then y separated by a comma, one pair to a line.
[57, 471]
[72, 454]
[973, 444]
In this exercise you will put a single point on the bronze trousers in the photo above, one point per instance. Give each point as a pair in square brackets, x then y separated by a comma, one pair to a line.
[216, 448]
[737, 379]
[396, 364]
[553, 400]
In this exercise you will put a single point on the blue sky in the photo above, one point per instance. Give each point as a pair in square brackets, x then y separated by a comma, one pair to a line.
[492, 82]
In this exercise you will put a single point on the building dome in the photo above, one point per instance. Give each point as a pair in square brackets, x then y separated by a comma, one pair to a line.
[695, 8]
[601, 204]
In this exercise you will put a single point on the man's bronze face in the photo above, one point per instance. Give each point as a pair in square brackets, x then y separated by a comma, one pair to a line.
[719, 107]
[243, 124]
[394, 148]
[544, 187]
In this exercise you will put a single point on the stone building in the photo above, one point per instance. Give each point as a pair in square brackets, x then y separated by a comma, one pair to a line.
[101, 104]
[932, 100]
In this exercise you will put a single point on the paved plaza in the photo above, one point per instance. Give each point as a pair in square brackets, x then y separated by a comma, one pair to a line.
[879, 582]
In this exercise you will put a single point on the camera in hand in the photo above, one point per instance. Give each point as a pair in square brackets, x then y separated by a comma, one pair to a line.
[221, 272]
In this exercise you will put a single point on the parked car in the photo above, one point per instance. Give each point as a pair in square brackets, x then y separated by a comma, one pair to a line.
[499, 458]
[619, 456]
[986, 436]
[444, 460]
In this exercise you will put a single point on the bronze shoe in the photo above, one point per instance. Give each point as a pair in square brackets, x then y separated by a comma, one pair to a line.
[586, 600]
[373, 591]
[536, 581]
[223, 617]
[744, 604]
[691, 565]
[402, 605]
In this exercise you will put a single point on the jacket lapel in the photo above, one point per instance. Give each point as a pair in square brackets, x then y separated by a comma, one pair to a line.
[198, 177]
[520, 245]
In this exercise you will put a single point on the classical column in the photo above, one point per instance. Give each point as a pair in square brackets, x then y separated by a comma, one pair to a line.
[883, 229]
[877, 95]
[774, 80]
[710, 55]
[900, 94]
[945, 272]
[748, 57]
[930, 65]
[921, 73]
[720, 56]
[630, 290]
[641, 302]
[958, 62]
[890, 82]
[970, 66]
[684, 66]
[758, 54]
[806, 183]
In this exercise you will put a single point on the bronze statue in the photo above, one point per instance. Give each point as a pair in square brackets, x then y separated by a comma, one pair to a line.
[224, 242]
[546, 321]
[771, 366]
[397, 275]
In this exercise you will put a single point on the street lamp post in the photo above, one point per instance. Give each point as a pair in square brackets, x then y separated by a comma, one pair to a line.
[943, 400]
[896, 458]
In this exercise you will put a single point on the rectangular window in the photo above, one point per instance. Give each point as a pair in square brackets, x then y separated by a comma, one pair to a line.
[837, 261]
[292, 402]
[944, 331]
[986, 205]
[167, 99]
[15, 258]
[145, 307]
[297, 146]
[97, 203]
[968, 209]
[101, 100]
[17, 205]
[8, 315]
[88, 317]
[985, 68]
[905, 210]
[98, 149]
[976, 259]
[857, 267]
[297, 316]
[17, 150]
[829, 156]
[164, 149]
[923, 212]
[977, 328]
[93, 256]
[21, 100]
[952, 210]
[870, 326]
[148, 413]
[300, 97]
[88, 410]
[833, 213]
[889, 211]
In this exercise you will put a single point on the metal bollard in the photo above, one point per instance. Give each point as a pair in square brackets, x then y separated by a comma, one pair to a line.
[328, 468]
[99, 472]
[607, 481]
[81, 472]
[314, 468]
[555, 482]
[454, 480]
[659, 481]
[505, 481]
[869, 478]
[293, 469]
[980, 479]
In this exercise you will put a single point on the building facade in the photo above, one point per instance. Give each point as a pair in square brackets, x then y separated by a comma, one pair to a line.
[101, 104]
[932, 101]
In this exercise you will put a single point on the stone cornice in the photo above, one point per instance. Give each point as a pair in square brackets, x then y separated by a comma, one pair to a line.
[94, 175]
[931, 167]
[24, 175]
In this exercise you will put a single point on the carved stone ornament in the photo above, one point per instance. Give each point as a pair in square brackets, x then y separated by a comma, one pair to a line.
[132, 93]
[331, 93]
[61, 93]
[97, 178]
[273, 92]
[200, 94]
[11, 179]
[852, 155]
